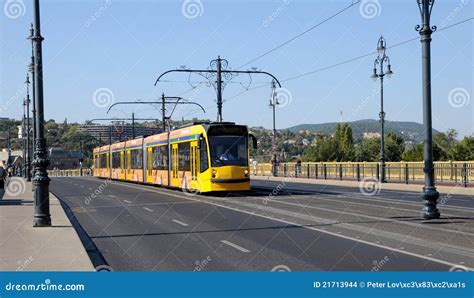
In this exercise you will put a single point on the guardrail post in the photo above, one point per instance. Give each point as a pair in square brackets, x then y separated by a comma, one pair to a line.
[284, 170]
[325, 169]
[407, 175]
[340, 171]
[456, 173]
[464, 173]
[307, 170]
[358, 172]
[316, 171]
[377, 171]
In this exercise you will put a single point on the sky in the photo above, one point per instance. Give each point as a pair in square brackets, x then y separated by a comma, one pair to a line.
[100, 52]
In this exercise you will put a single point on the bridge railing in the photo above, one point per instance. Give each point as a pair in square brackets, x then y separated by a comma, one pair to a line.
[455, 172]
[67, 173]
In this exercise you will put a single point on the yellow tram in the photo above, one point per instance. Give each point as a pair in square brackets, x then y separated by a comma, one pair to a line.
[201, 157]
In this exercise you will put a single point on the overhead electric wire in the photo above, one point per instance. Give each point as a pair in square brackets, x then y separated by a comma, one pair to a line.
[300, 34]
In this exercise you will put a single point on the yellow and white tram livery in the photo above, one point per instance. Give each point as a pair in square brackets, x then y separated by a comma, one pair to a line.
[202, 157]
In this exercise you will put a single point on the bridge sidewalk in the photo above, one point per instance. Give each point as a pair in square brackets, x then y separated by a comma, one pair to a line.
[455, 189]
[24, 248]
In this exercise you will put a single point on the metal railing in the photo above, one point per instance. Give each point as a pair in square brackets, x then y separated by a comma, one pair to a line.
[67, 173]
[455, 172]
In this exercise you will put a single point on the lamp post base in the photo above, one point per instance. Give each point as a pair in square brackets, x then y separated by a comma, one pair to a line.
[42, 221]
[430, 197]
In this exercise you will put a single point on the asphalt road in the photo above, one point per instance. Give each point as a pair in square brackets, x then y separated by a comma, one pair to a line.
[294, 227]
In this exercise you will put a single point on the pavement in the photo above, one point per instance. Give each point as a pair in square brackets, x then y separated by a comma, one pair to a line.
[24, 248]
[277, 226]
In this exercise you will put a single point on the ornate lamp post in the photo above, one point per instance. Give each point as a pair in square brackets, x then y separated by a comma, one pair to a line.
[430, 195]
[31, 69]
[42, 218]
[379, 72]
[273, 103]
[26, 104]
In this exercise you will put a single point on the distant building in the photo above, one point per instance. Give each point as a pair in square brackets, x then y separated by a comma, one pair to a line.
[370, 135]
[15, 161]
[63, 159]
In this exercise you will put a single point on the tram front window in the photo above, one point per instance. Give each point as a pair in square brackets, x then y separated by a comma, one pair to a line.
[228, 151]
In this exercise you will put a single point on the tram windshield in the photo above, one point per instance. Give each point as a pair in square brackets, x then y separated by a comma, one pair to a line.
[228, 150]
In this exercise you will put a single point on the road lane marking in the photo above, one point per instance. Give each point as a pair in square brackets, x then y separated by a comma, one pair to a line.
[179, 222]
[148, 209]
[235, 246]
[112, 196]
[432, 259]
[126, 201]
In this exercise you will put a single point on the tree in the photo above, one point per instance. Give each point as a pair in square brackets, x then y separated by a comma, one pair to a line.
[394, 147]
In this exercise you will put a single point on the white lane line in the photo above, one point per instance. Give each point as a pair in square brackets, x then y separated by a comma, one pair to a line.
[90, 188]
[112, 196]
[235, 246]
[126, 201]
[179, 222]
[432, 259]
[148, 209]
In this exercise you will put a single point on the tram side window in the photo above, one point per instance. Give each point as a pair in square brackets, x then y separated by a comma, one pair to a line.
[183, 157]
[103, 161]
[136, 159]
[203, 155]
[160, 158]
[96, 161]
[116, 160]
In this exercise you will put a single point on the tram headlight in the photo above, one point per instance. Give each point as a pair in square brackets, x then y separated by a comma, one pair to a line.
[214, 173]
[246, 172]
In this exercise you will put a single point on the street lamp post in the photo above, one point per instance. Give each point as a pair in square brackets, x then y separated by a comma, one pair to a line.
[430, 195]
[273, 103]
[42, 217]
[379, 72]
[23, 139]
[31, 68]
[27, 131]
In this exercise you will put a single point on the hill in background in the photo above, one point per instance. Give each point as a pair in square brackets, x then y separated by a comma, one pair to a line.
[411, 131]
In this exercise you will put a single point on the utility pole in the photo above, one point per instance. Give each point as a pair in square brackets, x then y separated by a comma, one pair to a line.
[219, 89]
[23, 139]
[42, 218]
[273, 103]
[164, 100]
[31, 68]
[430, 195]
[27, 106]
[133, 126]
[380, 61]
[218, 70]
[163, 111]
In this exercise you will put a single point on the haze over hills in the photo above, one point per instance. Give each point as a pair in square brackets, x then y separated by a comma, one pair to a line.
[411, 131]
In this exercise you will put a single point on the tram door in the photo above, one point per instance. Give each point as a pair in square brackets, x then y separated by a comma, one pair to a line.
[122, 165]
[194, 184]
[174, 167]
[149, 166]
